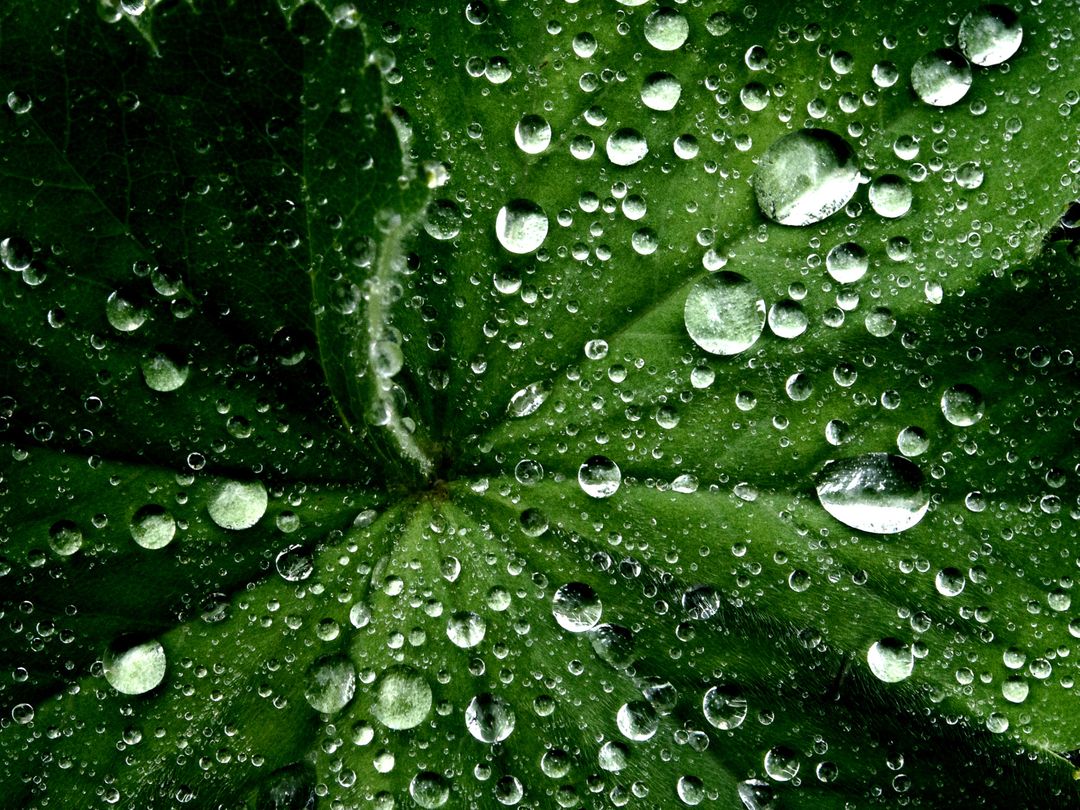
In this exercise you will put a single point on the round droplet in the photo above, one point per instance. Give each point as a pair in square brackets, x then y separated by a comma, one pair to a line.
[891, 660]
[724, 706]
[666, 29]
[402, 698]
[599, 477]
[134, 669]
[912, 441]
[237, 504]
[781, 763]
[65, 538]
[153, 527]
[294, 564]
[949, 581]
[962, 405]
[970, 175]
[637, 720]
[691, 790]
[805, 177]
[489, 719]
[787, 319]
[521, 226]
[429, 790]
[626, 146]
[724, 313]
[443, 220]
[164, 373]
[990, 34]
[941, 78]
[15, 253]
[331, 683]
[532, 134]
[466, 629]
[661, 91]
[847, 262]
[1015, 689]
[22, 713]
[123, 313]
[890, 196]
[875, 492]
[576, 607]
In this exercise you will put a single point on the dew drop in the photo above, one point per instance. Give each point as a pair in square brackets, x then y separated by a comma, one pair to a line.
[890, 196]
[163, 373]
[805, 177]
[465, 629]
[990, 34]
[65, 538]
[331, 683]
[528, 399]
[153, 527]
[891, 660]
[847, 262]
[724, 706]
[941, 78]
[532, 134]
[237, 505]
[429, 790]
[962, 405]
[402, 698]
[626, 146]
[787, 319]
[661, 91]
[724, 313]
[123, 314]
[875, 492]
[782, 763]
[666, 29]
[576, 607]
[599, 477]
[134, 669]
[949, 581]
[637, 720]
[521, 226]
[489, 719]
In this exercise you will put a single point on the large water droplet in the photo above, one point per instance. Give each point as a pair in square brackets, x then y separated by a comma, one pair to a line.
[626, 146]
[65, 538]
[847, 262]
[637, 720]
[532, 134]
[782, 763]
[661, 91]
[237, 504]
[890, 196]
[666, 29]
[331, 683]
[805, 177]
[489, 719]
[890, 659]
[521, 226]
[466, 629]
[941, 77]
[724, 706]
[724, 313]
[134, 669]
[990, 34]
[875, 492]
[576, 607]
[599, 477]
[962, 405]
[528, 399]
[429, 790]
[153, 527]
[402, 698]
[163, 373]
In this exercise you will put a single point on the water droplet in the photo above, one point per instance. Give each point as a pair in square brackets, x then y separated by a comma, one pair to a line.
[949, 581]
[164, 373]
[725, 706]
[237, 505]
[962, 405]
[613, 644]
[724, 313]
[65, 538]
[666, 29]
[429, 790]
[15, 253]
[599, 477]
[781, 763]
[1015, 689]
[970, 175]
[756, 795]
[613, 756]
[890, 196]
[875, 492]
[294, 564]
[489, 719]
[153, 527]
[134, 669]
[443, 222]
[847, 262]
[521, 226]
[787, 319]
[941, 77]
[805, 177]
[690, 790]
[123, 313]
[885, 74]
[22, 713]
[331, 683]
[402, 698]
[576, 607]
[528, 399]
[466, 629]
[891, 660]
[532, 134]
[912, 441]
[661, 91]
[990, 34]
[637, 720]
[626, 146]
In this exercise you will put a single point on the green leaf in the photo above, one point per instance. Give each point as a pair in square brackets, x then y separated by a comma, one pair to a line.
[390, 416]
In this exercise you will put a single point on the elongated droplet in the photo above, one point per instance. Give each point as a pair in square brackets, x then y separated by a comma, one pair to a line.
[875, 492]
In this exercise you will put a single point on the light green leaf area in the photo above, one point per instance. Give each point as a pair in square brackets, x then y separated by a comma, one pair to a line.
[538, 404]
